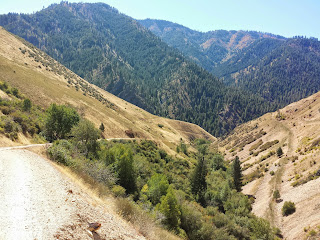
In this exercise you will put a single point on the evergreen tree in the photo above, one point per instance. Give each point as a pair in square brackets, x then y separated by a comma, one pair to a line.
[198, 180]
[279, 152]
[237, 174]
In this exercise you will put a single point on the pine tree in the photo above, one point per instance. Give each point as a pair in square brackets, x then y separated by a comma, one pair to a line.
[198, 180]
[237, 174]
[279, 152]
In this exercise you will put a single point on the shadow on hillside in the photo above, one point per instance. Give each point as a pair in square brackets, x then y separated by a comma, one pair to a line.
[96, 236]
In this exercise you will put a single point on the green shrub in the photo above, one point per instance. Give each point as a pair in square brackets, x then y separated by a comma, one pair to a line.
[288, 208]
[261, 229]
[27, 105]
[256, 145]
[119, 191]
[59, 152]
[312, 233]
[276, 194]
[157, 187]
[268, 145]
[170, 209]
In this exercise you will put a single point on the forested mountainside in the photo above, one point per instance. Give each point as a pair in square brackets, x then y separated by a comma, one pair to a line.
[280, 70]
[44, 81]
[207, 49]
[116, 53]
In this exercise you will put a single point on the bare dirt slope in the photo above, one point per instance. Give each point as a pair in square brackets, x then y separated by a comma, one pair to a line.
[296, 129]
[45, 81]
[39, 202]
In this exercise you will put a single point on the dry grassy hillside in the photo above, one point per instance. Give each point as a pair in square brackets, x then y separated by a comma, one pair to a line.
[296, 129]
[44, 81]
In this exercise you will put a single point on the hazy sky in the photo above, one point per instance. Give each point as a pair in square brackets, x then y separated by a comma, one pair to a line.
[283, 17]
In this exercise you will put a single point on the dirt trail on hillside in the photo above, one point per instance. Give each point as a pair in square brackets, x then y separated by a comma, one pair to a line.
[39, 202]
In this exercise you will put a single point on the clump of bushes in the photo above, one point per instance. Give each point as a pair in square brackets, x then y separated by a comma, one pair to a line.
[256, 145]
[271, 153]
[276, 194]
[60, 152]
[19, 115]
[268, 145]
[288, 208]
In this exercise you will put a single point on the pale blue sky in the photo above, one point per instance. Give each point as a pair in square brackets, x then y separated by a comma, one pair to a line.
[283, 17]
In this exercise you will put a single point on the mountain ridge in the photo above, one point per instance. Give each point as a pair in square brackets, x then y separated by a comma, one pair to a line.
[217, 45]
[116, 53]
[280, 70]
[44, 81]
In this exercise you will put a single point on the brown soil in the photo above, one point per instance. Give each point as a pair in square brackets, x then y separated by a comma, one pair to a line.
[298, 129]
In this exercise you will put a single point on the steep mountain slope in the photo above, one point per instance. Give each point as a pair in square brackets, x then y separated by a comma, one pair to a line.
[116, 53]
[279, 70]
[207, 49]
[44, 81]
[295, 129]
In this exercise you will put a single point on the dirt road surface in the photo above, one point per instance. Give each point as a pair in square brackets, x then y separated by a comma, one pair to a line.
[40, 202]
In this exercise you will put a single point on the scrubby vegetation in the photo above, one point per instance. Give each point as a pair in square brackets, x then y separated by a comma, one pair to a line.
[264, 147]
[288, 208]
[276, 194]
[19, 115]
[195, 196]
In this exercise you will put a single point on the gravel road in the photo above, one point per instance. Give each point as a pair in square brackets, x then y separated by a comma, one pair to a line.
[39, 202]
